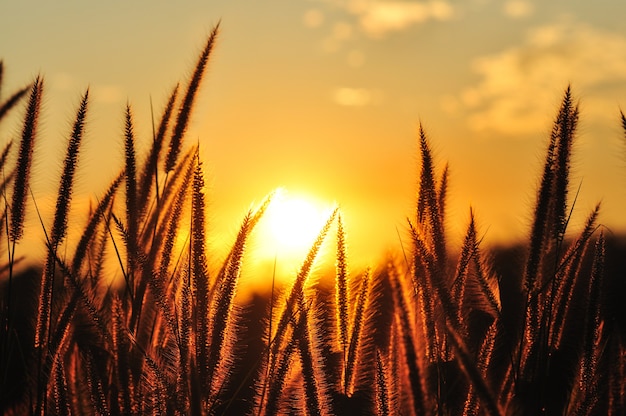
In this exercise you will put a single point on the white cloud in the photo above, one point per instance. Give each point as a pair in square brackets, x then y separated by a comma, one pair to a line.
[517, 9]
[352, 97]
[380, 17]
[519, 85]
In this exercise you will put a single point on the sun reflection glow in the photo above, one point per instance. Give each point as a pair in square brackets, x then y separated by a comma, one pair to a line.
[290, 225]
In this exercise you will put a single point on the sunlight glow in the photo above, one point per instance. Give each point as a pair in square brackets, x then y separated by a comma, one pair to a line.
[290, 225]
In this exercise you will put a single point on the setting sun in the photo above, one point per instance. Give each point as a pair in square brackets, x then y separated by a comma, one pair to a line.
[290, 225]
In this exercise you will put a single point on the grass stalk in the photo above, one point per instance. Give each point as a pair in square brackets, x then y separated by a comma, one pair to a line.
[184, 111]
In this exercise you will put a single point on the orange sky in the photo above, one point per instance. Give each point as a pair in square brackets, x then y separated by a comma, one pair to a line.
[325, 96]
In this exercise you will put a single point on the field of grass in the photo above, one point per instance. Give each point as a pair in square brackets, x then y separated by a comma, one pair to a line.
[534, 329]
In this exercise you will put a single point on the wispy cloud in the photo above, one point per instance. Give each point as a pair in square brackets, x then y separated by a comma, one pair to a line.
[352, 97]
[518, 9]
[519, 85]
[377, 18]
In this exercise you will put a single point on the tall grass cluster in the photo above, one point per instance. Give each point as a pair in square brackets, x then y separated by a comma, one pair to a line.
[427, 333]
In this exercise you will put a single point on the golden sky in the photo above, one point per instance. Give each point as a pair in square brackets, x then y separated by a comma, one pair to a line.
[324, 98]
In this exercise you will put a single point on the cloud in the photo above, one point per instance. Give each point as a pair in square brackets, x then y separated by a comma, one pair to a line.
[518, 86]
[517, 9]
[377, 18]
[352, 97]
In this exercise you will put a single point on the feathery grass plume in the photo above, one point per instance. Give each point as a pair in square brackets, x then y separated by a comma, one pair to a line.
[592, 324]
[130, 176]
[562, 138]
[5, 153]
[566, 278]
[541, 215]
[81, 291]
[442, 193]
[62, 329]
[123, 232]
[487, 296]
[549, 222]
[394, 372]
[485, 352]
[404, 325]
[154, 275]
[20, 187]
[435, 277]
[289, 311]
[127, 400]
[98, 250]
[314, 401]
[617, 374]
[425, 302]
[59, 226]
[155, 379]
[176, 211]
[150, 275]
[488, 285]
[12, 101]
[200, 274]
[221, 312]
[185, 345]
[278, 380]
[297, 290]
[24, 161]
[7, 105]
[61, 394]
[429, 214]
[468, 251]
[383, 402]
[567, 121]
[341, 292]
[5, 178]
[184, 111]
[234, 256]
[155, 220]
[150, 169]
[90, 229]
[473, 373]
[97, 398]
[358, 322]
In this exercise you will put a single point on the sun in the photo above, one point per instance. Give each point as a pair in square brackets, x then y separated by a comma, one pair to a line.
[290, 225]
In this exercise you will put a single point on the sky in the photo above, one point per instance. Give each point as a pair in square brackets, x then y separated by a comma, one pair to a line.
[324, 98]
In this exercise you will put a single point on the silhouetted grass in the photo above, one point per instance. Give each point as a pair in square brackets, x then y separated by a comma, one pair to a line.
[423, 334]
